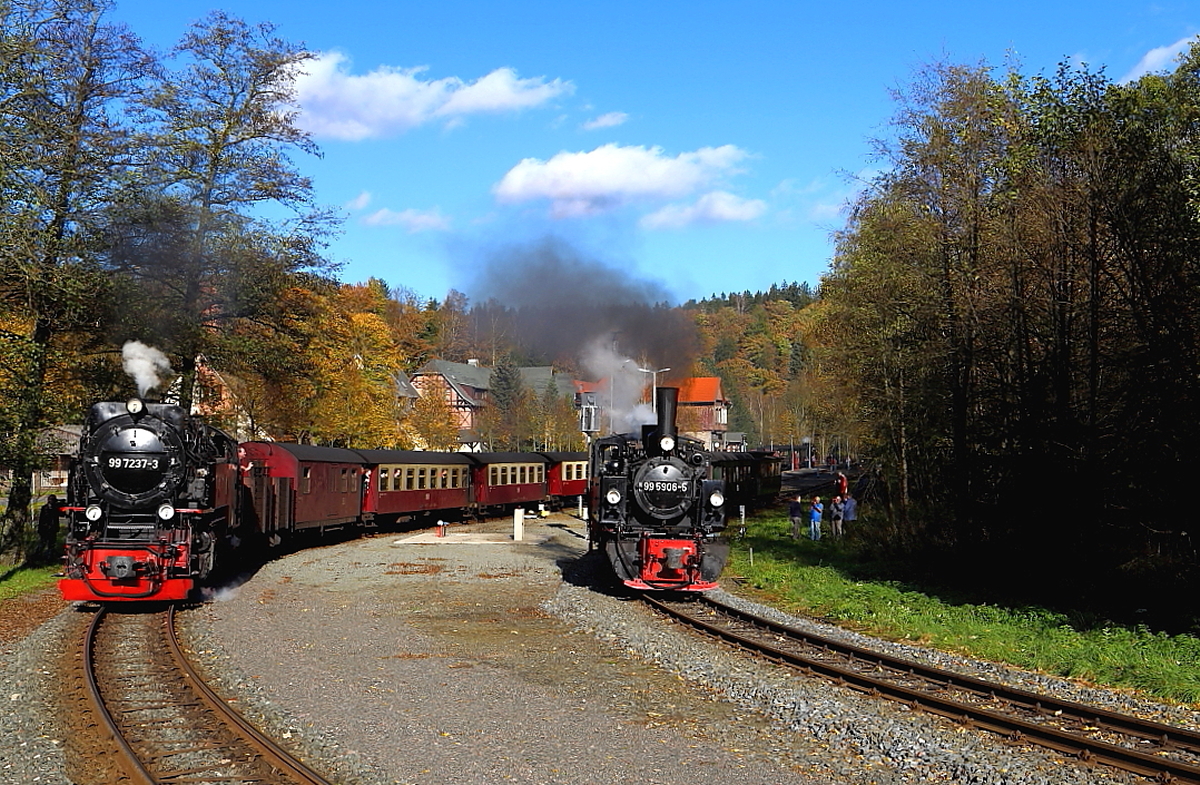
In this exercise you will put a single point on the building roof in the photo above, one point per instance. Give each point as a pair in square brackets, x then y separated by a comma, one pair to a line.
[404, 387]
[459, 373]
[701, 389]
[537, 379]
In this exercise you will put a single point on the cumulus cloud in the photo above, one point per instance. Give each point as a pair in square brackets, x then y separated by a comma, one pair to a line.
[359, 202]
[586, 183]
[714, 207]
[1163, 58]
[340, 105]
[412, 220]
[609, 120]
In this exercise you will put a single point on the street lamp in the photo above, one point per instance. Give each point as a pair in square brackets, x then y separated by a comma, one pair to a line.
[654, 386]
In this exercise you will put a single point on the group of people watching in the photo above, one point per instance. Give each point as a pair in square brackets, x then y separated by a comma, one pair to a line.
[842, 509]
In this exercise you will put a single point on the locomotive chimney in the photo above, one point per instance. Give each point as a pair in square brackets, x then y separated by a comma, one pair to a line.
[665, 401]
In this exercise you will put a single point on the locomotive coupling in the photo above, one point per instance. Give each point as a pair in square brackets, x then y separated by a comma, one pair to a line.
[673, 558]
[119, 567]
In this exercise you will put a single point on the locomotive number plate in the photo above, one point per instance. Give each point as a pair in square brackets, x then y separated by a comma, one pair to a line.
[133, 463]
[662, 486]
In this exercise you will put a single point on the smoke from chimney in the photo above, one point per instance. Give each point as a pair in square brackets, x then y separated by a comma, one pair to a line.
[144, 363]
[576, 310]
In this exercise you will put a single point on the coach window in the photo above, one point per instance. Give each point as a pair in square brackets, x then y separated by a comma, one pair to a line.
[397, 479]
[383, 479]
[523, 475]
[422, 478]
[410, 479]
[306, 480]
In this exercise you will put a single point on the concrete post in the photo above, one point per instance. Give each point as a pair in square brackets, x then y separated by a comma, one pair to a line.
[518, 524]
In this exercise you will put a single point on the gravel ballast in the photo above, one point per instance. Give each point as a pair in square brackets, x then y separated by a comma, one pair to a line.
[385, 661]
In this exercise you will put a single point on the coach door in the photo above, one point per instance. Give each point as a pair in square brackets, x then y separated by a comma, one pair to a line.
[271, 499]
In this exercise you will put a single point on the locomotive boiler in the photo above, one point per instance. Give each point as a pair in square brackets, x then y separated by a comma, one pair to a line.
[151, 495]
[654, 509]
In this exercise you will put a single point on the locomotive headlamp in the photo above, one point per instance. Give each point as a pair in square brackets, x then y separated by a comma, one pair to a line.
[93, 513]
[666, 443]
[716, 498]
[135, 406]
[613, 496]
[165, 512]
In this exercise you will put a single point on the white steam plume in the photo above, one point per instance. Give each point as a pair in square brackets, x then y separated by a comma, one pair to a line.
[620, 396]
[144, 363]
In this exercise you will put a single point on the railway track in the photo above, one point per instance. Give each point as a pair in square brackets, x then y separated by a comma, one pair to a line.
[1094, 735]
[168, 725]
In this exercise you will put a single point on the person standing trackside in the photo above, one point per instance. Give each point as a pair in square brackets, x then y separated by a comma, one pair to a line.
[814, 518]
[836, 509]
[48, 530]
[796, 513]
[850, 511]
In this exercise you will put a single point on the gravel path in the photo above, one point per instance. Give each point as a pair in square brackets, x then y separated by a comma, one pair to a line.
[452, 662]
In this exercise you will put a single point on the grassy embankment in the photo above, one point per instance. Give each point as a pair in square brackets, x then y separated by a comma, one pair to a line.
[825, 580]
[15, 581]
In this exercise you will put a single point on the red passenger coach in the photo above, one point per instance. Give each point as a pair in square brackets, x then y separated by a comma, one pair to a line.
[566, 474]
[298, 486]
[507, 479]
[407, 482]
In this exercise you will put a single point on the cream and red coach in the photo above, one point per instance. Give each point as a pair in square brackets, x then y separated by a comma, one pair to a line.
[413, 482]
[502, 480]
[566, 475]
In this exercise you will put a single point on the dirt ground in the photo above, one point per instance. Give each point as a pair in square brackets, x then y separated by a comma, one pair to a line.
[22, 615]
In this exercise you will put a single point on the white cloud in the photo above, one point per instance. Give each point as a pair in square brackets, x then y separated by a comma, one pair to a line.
[1163, 58]
[586, 183]
[714, 207]
[359, 202]
[340, 105]
[412, 220]
[609, 120]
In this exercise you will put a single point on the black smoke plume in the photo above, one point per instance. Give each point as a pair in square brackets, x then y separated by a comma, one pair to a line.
[556, 306]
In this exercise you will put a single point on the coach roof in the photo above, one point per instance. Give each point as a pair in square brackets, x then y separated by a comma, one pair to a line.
[414, 457]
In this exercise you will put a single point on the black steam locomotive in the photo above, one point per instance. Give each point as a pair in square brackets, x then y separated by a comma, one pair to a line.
[655, 510]
[152, 493]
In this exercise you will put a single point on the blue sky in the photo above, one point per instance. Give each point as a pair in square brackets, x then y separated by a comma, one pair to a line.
[703, 147]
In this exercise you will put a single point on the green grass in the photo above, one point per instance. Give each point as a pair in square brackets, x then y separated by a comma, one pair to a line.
[818, 579]
[16, 581]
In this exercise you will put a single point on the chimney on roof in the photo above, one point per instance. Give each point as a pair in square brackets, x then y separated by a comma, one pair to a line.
[474, 362]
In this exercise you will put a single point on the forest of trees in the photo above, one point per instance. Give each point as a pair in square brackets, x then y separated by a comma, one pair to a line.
[1015, 306]
[1007, 336]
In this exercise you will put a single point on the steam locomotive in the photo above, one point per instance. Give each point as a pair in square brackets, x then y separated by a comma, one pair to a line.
[153, 494]
[655, 509]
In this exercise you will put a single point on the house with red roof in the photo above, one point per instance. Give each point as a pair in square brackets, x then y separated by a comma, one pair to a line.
[703, 411]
